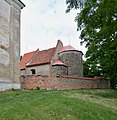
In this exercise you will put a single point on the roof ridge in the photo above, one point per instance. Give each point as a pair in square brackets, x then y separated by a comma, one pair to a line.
[29, 52]
[42, 57]
[47, 49]
[28, 62]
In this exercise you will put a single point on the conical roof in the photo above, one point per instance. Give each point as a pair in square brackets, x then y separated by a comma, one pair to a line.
[68, 48]
[58, 62]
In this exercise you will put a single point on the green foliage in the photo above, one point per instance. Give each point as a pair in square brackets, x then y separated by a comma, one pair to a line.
[76, 4]
[58, 105]
[90, 70]
[98, 24]
[20, 58]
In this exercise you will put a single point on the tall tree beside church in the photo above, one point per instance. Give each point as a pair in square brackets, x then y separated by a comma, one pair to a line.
[98, 24]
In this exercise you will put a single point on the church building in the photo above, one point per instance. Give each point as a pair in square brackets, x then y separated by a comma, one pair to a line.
[55, 61]
[10, 43]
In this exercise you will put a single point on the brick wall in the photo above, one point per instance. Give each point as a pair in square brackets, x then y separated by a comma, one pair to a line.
[61, 83]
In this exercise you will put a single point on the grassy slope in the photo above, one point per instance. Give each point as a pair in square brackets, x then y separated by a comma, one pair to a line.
[91, 104]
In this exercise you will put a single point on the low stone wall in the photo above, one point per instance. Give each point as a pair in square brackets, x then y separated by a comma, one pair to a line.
[61, 82]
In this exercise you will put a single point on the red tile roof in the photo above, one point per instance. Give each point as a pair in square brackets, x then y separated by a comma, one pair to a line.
[67, 48]
[58, 62]
[42, 57]
[26, 57]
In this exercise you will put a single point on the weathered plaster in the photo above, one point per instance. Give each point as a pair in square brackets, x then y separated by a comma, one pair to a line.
[7, 86]
[9, 42]
[40, 70]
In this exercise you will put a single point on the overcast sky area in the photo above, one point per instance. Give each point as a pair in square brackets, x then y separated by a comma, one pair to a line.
[43, 22]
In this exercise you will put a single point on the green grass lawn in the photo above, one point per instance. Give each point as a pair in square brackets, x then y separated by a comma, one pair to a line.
[91, 104]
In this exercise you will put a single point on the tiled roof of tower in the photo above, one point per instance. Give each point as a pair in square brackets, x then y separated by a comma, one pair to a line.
[26, 57]
[42, 57]
[68, 48]
[58, 62]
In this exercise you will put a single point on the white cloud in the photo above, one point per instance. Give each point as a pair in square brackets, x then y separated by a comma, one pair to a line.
[44, 22]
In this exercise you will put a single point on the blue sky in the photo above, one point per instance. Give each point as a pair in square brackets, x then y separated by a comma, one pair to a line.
[43, 22]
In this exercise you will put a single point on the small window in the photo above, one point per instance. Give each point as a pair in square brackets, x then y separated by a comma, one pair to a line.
[33, 71]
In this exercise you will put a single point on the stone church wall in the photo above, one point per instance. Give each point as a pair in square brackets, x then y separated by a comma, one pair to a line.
[59, 70]
[73, 59]
[10, 43]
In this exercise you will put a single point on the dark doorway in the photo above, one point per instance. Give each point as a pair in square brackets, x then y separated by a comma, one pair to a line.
[33, 71]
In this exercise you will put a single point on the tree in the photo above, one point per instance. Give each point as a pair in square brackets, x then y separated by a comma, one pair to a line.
[98, 24]
[20, 57]
[90, 70]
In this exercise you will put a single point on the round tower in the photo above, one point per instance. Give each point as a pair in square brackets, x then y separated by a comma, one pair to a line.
[59, 68]
[73, 59]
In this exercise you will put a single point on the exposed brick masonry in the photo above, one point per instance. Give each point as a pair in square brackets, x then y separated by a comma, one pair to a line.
[61, 82]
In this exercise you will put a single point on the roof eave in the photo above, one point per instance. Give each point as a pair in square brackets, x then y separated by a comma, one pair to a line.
[22, 68]
[71, 50]
[30, 65]
[20, 3]
[60, 65]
